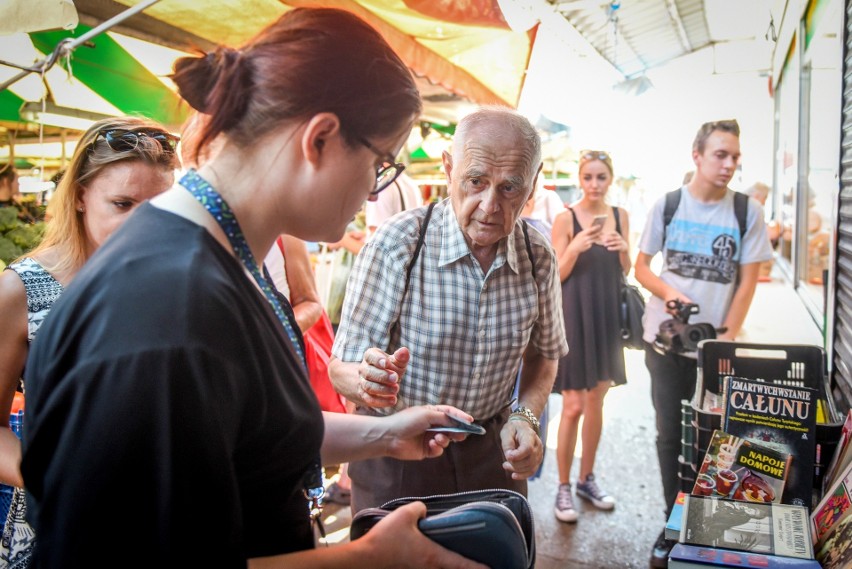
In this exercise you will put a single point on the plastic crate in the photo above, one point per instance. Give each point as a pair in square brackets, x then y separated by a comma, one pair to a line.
[785, 364]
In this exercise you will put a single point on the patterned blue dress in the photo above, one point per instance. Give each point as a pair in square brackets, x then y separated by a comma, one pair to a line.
[16, 546]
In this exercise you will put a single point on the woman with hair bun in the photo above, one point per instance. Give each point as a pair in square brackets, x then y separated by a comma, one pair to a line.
[172, 419]
[118, 164]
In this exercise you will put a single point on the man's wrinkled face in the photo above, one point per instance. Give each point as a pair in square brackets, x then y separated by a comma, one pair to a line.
[490, 180]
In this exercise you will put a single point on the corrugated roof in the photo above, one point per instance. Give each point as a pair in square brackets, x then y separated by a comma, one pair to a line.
[637, 35]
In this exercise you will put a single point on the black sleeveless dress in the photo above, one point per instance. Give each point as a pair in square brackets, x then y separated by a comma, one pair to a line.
[590, 299]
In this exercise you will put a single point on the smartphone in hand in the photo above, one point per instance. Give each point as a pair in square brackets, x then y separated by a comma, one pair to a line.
[459, 426]
[599, 220]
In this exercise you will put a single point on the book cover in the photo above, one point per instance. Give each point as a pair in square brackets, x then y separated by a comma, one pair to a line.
[783, 418]
[741, 469]
[768, 528]
[836, 551]
[834, 506]
[842, 454]
[675, 520]
[685, 556]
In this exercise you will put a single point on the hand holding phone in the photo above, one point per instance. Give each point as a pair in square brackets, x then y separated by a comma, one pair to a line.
[459, 426]
[599, 220]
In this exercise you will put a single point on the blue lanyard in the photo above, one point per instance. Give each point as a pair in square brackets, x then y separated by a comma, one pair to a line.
[207, 196]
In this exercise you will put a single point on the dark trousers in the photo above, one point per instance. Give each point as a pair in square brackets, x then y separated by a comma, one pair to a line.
[672, 379]
[473, 464]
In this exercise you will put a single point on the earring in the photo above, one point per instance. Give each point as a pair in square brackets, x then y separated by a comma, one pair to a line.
[81, 209]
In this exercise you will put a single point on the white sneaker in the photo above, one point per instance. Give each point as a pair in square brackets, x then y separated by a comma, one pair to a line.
[565, 510]
[590, 490]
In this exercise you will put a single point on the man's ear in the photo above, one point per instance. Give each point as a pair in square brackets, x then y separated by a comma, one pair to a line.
[318, 132]
[447, 160]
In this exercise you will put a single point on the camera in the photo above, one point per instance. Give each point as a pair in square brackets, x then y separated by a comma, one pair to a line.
[677, 335]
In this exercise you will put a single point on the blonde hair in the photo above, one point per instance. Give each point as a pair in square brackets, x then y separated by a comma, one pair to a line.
[66, 232]
[587, 156]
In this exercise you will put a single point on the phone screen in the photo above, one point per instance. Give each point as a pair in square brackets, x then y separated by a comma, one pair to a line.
[599, 220]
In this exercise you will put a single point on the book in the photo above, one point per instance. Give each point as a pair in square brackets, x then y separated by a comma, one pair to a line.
[675, 521]
[835, 552]
[834, 506]
[683, 556]
[842, 454]
[768, 528]
[741, 469]
[783, 418]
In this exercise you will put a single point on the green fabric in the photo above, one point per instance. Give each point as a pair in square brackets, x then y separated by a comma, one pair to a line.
[116, 76]
[10, 104]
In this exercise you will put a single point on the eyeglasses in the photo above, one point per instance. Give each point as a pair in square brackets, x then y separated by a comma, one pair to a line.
[594, 155]
[387, 172]
[122, 140]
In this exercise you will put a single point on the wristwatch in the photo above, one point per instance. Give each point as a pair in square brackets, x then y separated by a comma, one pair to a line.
[528, 416]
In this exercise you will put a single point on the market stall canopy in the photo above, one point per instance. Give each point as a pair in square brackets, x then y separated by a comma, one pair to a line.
[459, 51]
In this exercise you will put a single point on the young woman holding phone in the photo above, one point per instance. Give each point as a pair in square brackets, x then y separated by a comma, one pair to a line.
[590, 239]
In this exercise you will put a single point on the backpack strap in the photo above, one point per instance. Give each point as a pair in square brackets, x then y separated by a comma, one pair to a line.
[529, 247]
[741, 211]
[420, 239]
[672, 203]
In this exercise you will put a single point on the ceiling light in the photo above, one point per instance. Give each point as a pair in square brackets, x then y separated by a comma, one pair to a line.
[634, 86]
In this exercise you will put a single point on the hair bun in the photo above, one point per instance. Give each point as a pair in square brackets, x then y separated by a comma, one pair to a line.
[215, 82]
[195, 77]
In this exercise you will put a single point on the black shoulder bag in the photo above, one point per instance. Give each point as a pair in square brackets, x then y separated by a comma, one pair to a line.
[631, 307]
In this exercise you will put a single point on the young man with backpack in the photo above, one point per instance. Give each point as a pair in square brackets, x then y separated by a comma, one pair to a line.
[713, 242]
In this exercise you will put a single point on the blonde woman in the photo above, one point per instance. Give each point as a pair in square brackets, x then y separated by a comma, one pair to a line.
[118, 164]
[590, 240]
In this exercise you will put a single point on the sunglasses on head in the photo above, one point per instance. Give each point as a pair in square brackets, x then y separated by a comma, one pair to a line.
[122, 140]
[594, 155]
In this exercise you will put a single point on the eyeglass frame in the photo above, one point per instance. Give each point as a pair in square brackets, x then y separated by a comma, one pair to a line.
[389, 159]
[169, 147]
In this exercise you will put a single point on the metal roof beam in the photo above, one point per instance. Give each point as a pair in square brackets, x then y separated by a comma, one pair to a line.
[674, 14]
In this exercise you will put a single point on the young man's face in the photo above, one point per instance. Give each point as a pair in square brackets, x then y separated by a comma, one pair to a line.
[717, 164]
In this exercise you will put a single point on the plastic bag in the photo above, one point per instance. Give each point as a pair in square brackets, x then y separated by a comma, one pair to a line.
[318, 341]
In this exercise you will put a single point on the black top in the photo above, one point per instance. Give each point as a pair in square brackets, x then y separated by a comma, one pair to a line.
[168, 419]
[590, 300]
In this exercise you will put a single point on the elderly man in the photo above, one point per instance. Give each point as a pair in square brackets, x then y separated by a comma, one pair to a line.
[442, 306]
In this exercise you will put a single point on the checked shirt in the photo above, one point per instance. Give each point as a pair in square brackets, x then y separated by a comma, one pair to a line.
[467, 330]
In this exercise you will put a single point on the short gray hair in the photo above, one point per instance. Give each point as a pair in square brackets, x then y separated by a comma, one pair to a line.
[515, 120]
